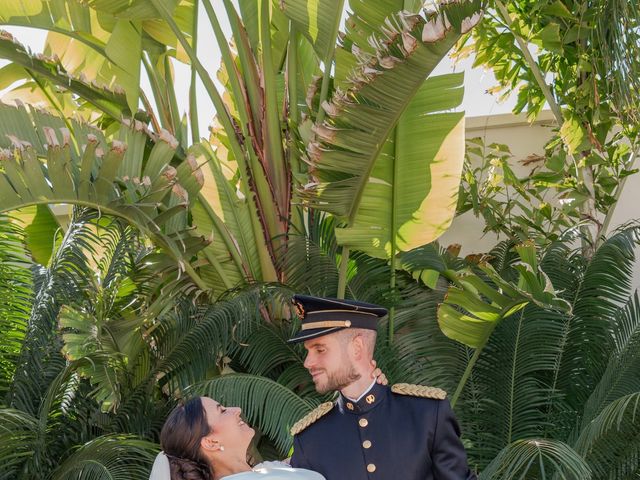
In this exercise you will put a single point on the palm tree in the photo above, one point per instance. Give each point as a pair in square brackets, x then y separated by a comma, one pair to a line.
[286, 128]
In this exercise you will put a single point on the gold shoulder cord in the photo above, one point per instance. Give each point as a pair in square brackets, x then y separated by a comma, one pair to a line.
[419, 391]
[311, 417]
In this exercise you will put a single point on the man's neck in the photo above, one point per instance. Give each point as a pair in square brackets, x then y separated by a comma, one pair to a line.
[357, 388]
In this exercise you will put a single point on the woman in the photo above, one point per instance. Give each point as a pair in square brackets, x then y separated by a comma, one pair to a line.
[202, 440]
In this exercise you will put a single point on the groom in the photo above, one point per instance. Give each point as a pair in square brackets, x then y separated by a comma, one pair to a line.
[371, 431]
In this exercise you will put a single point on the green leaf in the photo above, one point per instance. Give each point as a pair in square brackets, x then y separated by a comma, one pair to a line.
[318, 21]
[90, 180]
[410, 197]
[558, 9]
[573, 134]
[41, 234]
[550, 38]
[124, 48]
[350, 141]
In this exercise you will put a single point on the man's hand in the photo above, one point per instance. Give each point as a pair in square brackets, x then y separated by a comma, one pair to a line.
[380, 377]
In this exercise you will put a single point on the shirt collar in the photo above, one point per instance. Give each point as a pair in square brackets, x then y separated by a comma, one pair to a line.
[356, 400]
[367, 401]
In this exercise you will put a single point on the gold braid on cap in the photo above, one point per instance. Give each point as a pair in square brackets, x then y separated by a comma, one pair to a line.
[419, 391]
[311, 417]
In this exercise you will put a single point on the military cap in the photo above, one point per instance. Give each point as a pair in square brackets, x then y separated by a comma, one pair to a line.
[320, 316]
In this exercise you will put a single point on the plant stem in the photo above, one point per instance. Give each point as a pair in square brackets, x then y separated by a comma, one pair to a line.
[612, 209]
[193, 99]
[342, 278]
[533, 65]
[392, 233]
[466, 374]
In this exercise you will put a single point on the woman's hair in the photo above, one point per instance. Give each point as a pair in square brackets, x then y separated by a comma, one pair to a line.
[180, 439]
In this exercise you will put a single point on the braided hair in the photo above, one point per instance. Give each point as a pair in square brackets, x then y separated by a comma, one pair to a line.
[180, 440]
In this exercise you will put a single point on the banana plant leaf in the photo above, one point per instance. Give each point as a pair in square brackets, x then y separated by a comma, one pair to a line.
[410, 197]
[350, 141]
[475, 304]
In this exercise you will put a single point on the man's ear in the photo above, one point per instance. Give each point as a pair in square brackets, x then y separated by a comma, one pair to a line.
[357, 345]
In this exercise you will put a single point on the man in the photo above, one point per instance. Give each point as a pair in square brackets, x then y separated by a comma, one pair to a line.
[371, 431]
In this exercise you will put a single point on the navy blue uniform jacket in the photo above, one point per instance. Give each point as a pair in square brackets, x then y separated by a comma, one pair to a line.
[384, 436]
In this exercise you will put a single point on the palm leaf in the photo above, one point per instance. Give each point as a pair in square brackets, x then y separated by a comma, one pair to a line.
[17, 440]
[605, 286]
[537, 458]
[16, 295]
[620, 377]
[268, 405]
[512, 382]
[109, 457]
[611, 442]
[110, 101]
[40, 360]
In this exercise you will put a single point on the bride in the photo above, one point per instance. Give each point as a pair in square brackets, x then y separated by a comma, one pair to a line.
[203, 440]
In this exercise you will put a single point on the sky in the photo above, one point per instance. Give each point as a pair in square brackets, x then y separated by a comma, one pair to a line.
[477, 102]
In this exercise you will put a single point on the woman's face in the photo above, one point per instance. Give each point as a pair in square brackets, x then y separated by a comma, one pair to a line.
[227, 428]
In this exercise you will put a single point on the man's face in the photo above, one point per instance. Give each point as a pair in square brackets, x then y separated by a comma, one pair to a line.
[329, 363]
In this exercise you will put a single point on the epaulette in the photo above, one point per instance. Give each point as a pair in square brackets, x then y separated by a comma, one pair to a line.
[311, 417]
[419, 391]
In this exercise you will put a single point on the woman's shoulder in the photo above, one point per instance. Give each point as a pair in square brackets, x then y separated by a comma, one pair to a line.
[276, 471]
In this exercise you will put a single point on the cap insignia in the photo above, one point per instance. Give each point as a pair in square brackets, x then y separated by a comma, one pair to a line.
[299, 309]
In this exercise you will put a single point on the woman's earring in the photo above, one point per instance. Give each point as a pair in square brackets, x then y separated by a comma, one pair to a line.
[222, 448]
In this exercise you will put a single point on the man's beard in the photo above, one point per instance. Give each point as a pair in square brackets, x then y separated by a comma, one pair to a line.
[339, 379]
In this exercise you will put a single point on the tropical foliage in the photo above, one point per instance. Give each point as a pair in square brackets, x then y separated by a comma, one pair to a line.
[581, 59]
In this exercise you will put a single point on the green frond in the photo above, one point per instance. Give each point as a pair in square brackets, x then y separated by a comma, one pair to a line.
[66, 280]
[265, 352]
[511, 394]
[190, 341]
[621, 375]
[610, 443]
[17, 440]
[616, 39]
[307, 268]
[16, 295]
[318, 21]
[110, 457]
[604, 287]
[541, 459]
[268, 405]
[419, 352]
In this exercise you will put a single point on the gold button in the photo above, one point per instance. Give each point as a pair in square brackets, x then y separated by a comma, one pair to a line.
[370, 399]
[347, 323]
[371, 468]
[350, 405]
[366, 444]
[363, 422]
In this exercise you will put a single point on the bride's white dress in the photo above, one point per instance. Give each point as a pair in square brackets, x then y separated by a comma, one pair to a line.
[262, 471]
